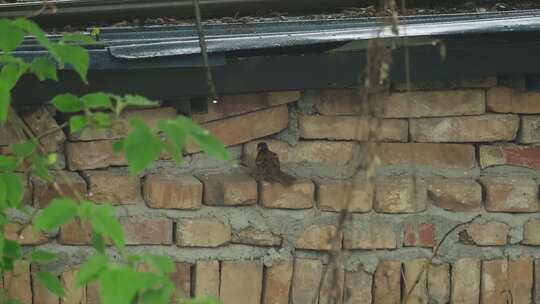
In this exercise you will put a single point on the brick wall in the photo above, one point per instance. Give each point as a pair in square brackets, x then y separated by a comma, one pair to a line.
[445, 153]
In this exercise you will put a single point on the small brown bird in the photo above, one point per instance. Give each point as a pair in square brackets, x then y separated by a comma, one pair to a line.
[268, 169]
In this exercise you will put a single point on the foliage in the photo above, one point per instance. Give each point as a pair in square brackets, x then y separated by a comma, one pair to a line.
[120, 280]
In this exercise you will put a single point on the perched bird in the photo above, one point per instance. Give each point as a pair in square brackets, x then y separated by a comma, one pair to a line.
[267, 167]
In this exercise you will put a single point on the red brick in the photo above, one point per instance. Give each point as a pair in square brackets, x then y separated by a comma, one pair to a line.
[73, 295]
[93, 294]
[443, 156]
[415, 271]
[337, 195]
[121, 127]
[147, 231]
[507, 281]
[374, 236]
[17, 283]
[229, 189]
[241, 282]
[511, 195]
[466, 281]
[300, 195]
[335, 153]
[41, 122]
[252, 236]
[536, 298]
[207, 279]
[93, 155]
[44, 193]
[75, 233]
[487, 234]
[529, 130]
[419, 235]
[172, 192]
[277, 283]
[439, 283]
[202, 233]
[510, 155]
[358, 287]
[352, 128]
[455, 194]
[505, 100]
[531, 232]
[318, 237]
[483, 128]
[113, 186]
[26, 235]
[400, 195]
[181, 278]
[387, 283]
[306, 278]
[332, 285]
[247, 127]
[232, 105]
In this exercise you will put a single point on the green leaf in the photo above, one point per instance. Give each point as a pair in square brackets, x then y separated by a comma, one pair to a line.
[44, 68]
[32, 28]
[76, 56]
[98, 242]
[141, 147]
[162, 263]
[77, 123]
[119, 285]
[42, 256]
[11, 73]
[5, 99]
[23, 149]
[68, 103]
[161, 295]
[10, 36]
[141, 101]
[59, 212]
[3, 194]
[86, 209]
[51, 282]
[102, 120]
[175, 138]
[118, 146]
[15, 188]
[78, 38]
[208, 143]
[7, 163]
[97, 101]
[91, 269]
[104, 223]
[12, 249]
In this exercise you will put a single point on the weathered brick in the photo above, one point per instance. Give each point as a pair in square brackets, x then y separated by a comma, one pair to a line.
[511, 195]
[93, 294]
[529, 130]
[332, 285]
[318, 237]
[531, 232]
[147, 231]
[306, 278]
[93, 155]
[507, 281]
[232, 105]
[113, 186]
[400, 195]
[17, 283]
[443, 156]
[521, 280]
[173, 192]
[340, 102]
[40, 294]
[335, 153]
[9, 135]
[419, 235]
[415, 271]
[374, 236]
[352, 128]
[466, 281]
[300, 195]
[181, 278]
[438, 283]
[455, 194]
[536, 298]
[252, 236]
[357, 287]
[202, 233]
[337, 195]
[73, 295]
[387, 283]
[241, 282]
[469, 83]
[229, 189]
[44, 192]
[277, 283]
[25, 235]
[75, 233]
[510, 155]
[207, 279]
[483, 128]
[486, 234]
[121, 127]
[41, 122]
[506, 100]
[247, 127]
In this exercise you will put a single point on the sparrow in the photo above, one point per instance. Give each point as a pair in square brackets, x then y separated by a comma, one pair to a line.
[267, 167]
